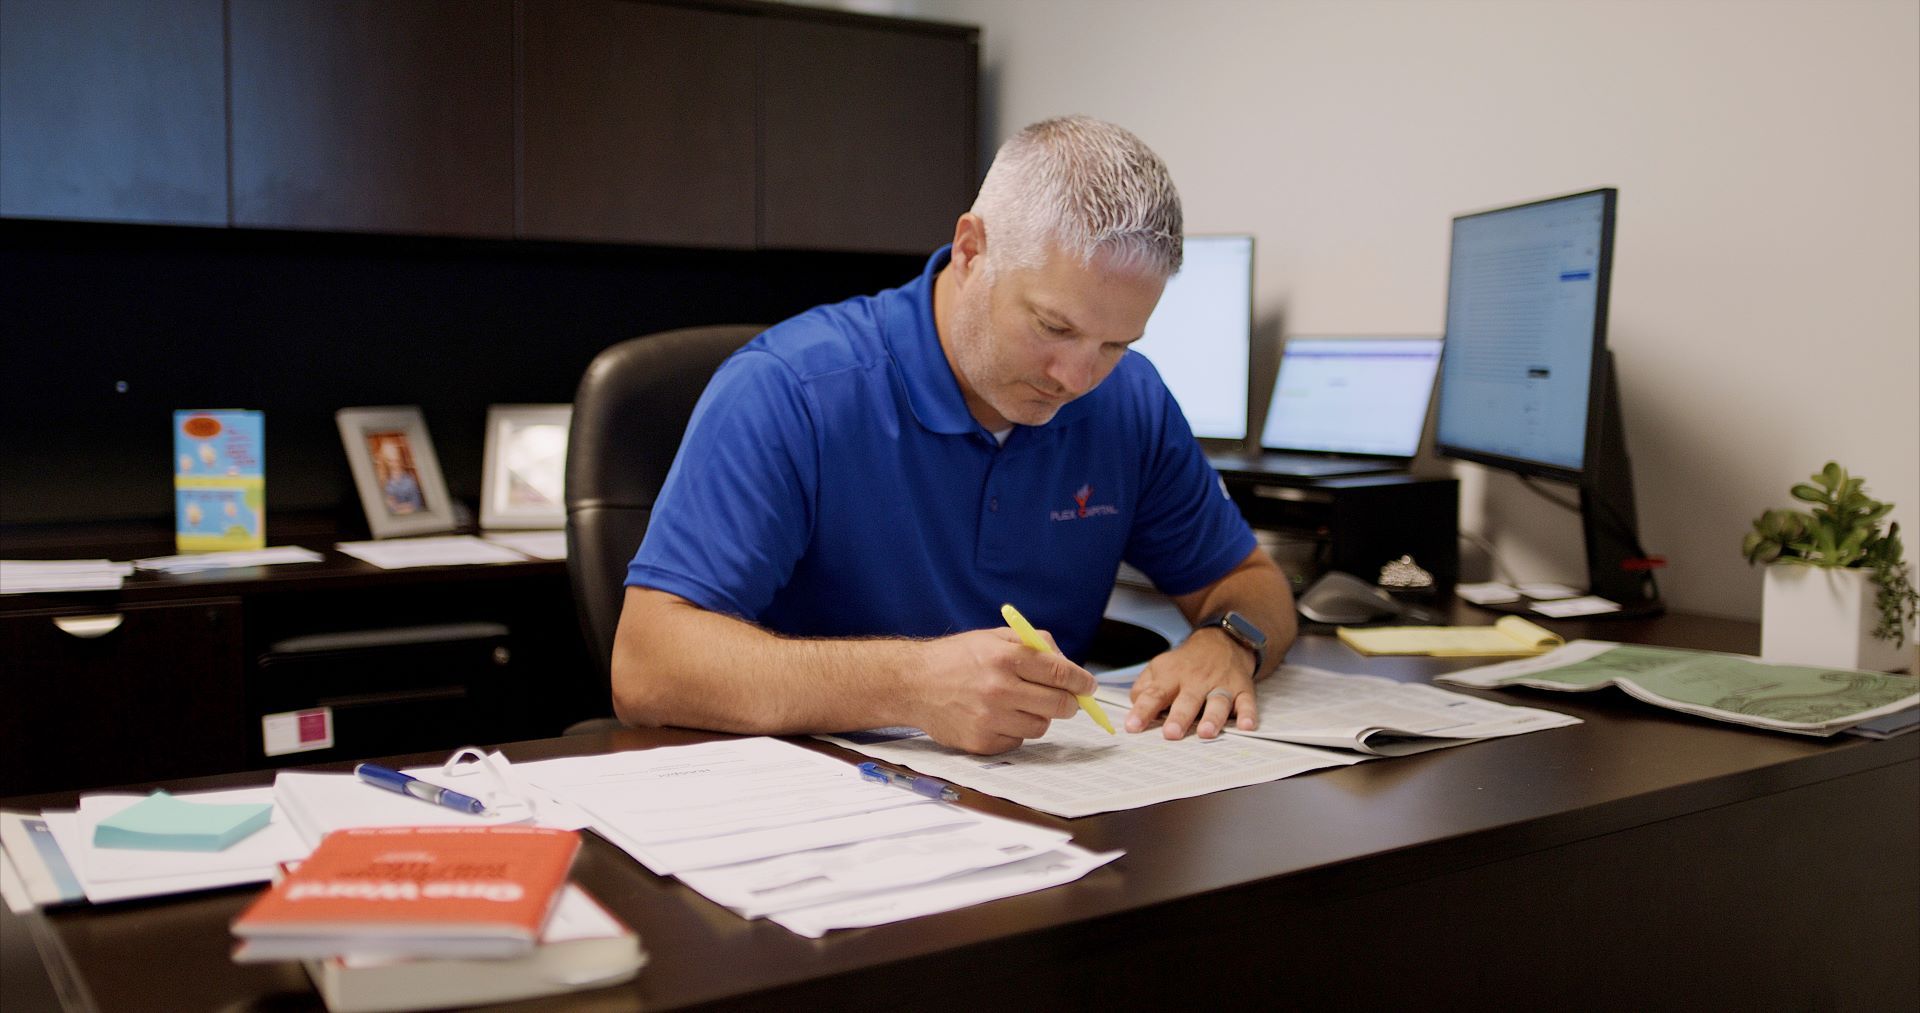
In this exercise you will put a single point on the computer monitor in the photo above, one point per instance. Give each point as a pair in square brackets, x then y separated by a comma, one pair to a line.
[1357, 395]
[1526, 381]
[1200, 335]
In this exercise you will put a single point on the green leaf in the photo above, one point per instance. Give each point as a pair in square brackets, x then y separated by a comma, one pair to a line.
[1832, 475]
[1809, 493]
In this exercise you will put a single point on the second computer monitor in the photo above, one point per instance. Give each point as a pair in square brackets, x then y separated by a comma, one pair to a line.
[1352, 395]
[1199, 335]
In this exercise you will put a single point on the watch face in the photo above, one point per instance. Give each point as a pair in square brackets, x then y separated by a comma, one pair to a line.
[1245, 631]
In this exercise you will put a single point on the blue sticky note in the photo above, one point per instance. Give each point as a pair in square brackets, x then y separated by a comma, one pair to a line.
[161, 822]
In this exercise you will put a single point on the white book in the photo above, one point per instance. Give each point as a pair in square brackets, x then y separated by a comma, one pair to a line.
[583, 946]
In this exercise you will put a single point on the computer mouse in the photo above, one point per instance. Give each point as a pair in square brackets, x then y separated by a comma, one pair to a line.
[1343, 599]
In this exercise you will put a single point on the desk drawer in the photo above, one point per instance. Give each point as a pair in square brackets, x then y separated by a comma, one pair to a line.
[132, 694]
[397, 690]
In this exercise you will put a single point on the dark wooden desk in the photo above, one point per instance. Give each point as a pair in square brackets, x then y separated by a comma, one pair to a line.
[1639, 860]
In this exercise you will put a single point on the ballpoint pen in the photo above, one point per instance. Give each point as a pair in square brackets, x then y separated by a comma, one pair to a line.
[1031, 638]
[919, 785]
[407, 784]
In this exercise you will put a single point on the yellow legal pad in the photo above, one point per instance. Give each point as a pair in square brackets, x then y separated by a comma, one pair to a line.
[1510, 637]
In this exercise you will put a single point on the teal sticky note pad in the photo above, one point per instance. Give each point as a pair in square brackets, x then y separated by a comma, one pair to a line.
[161, 822]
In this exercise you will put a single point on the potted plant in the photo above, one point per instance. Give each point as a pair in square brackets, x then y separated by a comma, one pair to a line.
[1838, 594]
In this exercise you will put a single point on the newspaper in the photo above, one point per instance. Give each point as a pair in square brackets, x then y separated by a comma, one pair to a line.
[1369, 714]
[1724, 687]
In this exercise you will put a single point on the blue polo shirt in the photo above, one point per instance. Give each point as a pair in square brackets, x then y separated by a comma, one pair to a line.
[833, 484]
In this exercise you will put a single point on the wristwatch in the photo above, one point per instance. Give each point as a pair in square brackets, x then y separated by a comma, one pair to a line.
[1243, 632]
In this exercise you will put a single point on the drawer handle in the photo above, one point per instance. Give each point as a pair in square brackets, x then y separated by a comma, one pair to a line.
[89, 627]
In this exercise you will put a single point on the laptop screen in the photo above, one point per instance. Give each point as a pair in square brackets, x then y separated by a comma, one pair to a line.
[1198, 336]
[1352, 395]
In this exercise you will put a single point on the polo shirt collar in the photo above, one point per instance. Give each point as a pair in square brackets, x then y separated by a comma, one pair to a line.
[933, 392]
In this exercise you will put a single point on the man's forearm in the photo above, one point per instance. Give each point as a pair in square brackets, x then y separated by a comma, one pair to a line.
[1257, 589]
[677, 664]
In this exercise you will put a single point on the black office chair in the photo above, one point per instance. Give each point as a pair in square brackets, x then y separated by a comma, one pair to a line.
[628, 417]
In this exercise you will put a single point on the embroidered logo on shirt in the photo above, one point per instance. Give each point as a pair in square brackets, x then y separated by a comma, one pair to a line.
[1082, 509]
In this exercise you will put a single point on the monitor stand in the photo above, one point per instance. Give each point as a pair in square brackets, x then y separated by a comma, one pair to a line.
[1616, 568]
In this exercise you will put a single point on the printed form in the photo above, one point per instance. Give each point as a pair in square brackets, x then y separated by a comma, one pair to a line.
[1077, 769]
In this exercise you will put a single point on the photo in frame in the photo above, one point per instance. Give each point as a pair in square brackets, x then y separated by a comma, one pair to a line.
[395, 471]
[523, 484]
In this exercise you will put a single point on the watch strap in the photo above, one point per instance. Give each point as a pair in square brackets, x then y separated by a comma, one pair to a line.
[1231, 623]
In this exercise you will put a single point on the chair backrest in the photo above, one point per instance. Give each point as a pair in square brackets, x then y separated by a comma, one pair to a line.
[628, 417]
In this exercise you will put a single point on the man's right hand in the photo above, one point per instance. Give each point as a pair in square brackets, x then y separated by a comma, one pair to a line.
[986, 692]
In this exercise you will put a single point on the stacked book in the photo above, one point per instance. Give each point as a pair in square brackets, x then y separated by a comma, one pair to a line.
[398, 918]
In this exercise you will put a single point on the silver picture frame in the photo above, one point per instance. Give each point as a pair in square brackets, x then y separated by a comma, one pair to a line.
[395, 470]
[523, 483]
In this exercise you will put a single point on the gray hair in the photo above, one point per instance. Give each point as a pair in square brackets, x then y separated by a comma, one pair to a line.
[1085, 186]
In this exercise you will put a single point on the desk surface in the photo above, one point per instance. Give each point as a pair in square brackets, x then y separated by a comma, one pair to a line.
[1641, 856]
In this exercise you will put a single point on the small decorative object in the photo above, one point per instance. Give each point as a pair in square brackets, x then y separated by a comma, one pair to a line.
[1404, 574]
[219, 484]
[395, 469]
[524, 481]
[1838, 592]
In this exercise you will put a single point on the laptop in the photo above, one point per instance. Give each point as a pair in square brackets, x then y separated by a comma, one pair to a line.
[1343, 406]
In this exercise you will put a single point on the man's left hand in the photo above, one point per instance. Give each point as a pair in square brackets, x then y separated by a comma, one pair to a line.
[1208, 678]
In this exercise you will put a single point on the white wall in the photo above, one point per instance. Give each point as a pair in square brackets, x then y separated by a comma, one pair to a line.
[1766, 301]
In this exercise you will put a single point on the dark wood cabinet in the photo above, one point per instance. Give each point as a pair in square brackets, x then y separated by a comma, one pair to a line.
[129, 692]
[637, 124]
[722, 124]
[867, 135]
[373, 115]
[113, 110]
[172, 675]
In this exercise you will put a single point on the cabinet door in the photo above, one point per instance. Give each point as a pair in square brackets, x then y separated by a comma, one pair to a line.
[868, 136]
[637, 124]
[113, 110]
[373, 115]
[92, 702]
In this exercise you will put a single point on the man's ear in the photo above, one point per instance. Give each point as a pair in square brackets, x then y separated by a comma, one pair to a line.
[969, 244]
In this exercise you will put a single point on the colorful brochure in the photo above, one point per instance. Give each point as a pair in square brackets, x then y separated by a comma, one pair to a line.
[219, 483]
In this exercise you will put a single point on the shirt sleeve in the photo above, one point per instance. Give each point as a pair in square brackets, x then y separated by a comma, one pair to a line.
[736, 511]
[1188, 532]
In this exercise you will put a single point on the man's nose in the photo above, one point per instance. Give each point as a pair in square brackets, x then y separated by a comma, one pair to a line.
[1075, 370]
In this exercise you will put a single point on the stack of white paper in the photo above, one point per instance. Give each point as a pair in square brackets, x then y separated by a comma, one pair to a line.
[23, 576]
[108, 874]
[532, 544]
[318, 804]
[194, 562]
[448, 550]
[772, 830]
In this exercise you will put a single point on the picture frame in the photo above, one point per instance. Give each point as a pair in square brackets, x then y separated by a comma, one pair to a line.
[395, 470]
[523, 483]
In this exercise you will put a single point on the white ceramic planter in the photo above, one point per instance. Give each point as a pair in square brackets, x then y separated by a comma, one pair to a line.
[1818, 615]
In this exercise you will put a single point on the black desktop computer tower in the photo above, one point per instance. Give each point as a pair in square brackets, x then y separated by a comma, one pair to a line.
[1356, 524]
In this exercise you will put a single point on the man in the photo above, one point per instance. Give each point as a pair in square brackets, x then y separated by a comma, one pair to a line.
[861, 487]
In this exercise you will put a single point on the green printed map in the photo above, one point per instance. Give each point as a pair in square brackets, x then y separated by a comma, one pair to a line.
[1789, 693]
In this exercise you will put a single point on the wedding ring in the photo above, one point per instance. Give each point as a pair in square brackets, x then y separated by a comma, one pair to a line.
[1221, 692]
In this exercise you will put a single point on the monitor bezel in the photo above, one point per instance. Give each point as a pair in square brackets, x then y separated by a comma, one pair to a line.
[1253, 327]
[1259, 439]
[1597, 372]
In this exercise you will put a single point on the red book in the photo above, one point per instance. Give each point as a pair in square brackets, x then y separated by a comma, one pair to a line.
[412, 892]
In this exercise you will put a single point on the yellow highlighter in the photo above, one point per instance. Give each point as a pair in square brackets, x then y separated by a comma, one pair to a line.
[1031, 638]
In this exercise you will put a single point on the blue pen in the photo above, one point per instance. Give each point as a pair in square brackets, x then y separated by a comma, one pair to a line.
[406, 784]
[927, 786]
